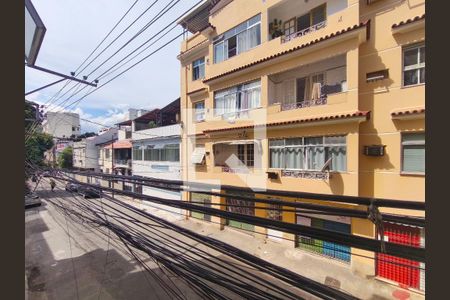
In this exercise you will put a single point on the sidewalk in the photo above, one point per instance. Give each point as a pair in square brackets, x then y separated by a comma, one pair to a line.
[315, 267]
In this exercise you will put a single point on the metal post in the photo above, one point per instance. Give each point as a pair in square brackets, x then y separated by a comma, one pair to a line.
[112, 162]
[45, 86]
[63, 75]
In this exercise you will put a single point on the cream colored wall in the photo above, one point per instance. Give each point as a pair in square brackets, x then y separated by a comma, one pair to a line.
[240, 11]
[380, 176]
[365, 176]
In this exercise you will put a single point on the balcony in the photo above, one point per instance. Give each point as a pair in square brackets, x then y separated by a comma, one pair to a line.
[302, 32]
[292, 19]
[238, 156]
[298, 24]
[122, 162]
[310, 85]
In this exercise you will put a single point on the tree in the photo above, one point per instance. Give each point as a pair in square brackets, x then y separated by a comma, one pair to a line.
[65, 159]
[87, 134]
[36, 142]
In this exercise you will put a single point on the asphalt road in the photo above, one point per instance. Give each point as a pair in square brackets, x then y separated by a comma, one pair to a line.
[98, 249]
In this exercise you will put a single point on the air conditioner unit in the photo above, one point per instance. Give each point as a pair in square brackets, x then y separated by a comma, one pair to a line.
[272, 175]
[374, 150]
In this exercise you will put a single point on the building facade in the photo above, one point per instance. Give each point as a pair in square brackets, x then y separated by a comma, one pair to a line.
[310, 96]
[85, 154]
[107, 137]
[62, 124]
[156, 142]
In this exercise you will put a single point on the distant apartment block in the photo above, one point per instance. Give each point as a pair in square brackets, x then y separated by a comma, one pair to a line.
[62, 124]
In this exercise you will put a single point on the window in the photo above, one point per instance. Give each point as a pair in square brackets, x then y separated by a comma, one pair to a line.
[199, 111]
[238, 39]
[137, 153]
[169, 152]
[314, 17]
[148, 153]
[309, 153]
[246, 154]
[107, 153]
[198, 69]
[414, 65]
[239, 98]
[241, 153]
[289, 27]
[413, 152]
[318, 15]
[250, 155]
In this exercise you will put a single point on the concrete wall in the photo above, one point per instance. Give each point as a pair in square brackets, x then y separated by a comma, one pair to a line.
[62, 124]
[380, 49]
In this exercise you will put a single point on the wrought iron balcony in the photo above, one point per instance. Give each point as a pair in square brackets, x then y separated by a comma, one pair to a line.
[303, 32]
[306, 103]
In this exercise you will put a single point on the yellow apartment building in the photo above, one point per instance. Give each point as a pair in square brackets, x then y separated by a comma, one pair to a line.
[311, 96]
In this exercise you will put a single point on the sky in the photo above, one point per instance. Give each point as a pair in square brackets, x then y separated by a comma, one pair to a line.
[76, 27]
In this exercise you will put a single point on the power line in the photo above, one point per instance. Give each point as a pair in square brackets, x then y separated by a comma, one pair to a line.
[151, 22]
[123, 31]
[107, 35]
[335, 237]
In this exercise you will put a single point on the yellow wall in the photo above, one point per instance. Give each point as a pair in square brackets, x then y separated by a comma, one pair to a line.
[365, 176]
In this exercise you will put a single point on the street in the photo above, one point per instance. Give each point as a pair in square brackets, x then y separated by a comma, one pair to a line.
[68, 257]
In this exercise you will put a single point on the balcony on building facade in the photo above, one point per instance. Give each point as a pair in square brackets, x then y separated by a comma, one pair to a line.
[123, 162]
[239, 156]
[292, 19]
[286, 25]
[309, 85]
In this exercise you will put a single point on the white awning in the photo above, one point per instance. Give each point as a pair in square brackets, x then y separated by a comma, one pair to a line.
[198, 155]
[239, 142]
[159, 146]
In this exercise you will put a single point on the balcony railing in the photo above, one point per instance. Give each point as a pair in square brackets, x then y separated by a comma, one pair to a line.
[235, 170]
[306, 103]
[126, 162]
[303, 32]
[306, 174]
[200, 115]
[238, 114]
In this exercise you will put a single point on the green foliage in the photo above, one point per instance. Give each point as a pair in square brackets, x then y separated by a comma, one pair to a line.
[86, 135]
[65, 159]
[36, 142]
[36, 146]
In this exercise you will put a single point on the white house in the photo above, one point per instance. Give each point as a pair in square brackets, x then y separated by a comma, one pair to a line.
[85, 154]
[62, 124]
[156, 154]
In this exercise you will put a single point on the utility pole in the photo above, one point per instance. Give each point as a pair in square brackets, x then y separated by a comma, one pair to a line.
[112, 162]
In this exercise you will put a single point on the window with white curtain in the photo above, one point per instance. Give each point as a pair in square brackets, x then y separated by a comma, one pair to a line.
[237, 40]
[239, 98]
[309, 153]
[169, 152]
[414, 65]
[413, 152]
[199, 111]
[137, 153]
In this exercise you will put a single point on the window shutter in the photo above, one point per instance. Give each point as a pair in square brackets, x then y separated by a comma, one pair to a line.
[414, 158]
